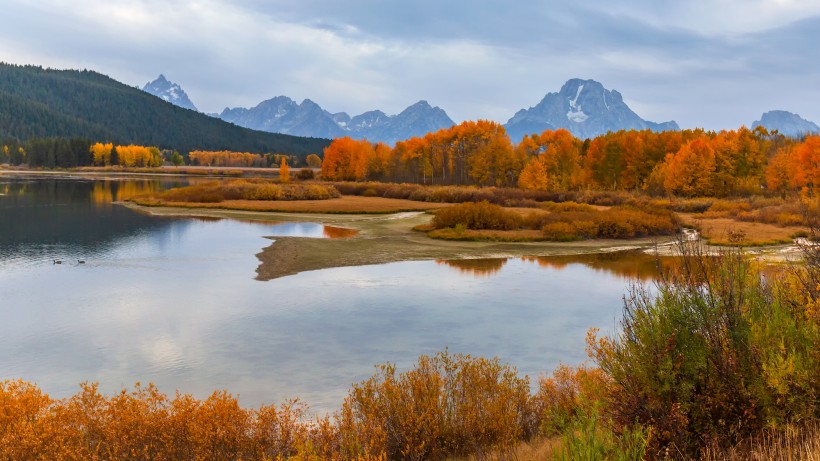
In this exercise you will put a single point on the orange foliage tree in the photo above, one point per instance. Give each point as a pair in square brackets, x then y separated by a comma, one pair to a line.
[284, 171]
[554, 161]
[346, 159]
[689, 171]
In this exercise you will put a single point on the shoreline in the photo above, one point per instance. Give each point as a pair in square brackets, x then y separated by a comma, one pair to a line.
[388, 238]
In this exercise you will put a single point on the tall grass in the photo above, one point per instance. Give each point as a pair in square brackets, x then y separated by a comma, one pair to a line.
[244, 189]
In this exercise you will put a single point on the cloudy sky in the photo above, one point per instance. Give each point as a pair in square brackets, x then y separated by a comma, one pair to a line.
[714, 64]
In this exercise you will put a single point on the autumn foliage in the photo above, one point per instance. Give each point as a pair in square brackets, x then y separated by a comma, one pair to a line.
[127, 156]
[688, 163]
[225, 158]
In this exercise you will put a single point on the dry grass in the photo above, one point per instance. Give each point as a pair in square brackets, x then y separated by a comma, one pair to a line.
[345, 205]
[725, 231]
[798, 444]
[534, 450]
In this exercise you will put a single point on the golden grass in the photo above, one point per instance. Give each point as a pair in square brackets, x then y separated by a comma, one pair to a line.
[347, 204]
[794, 443]
[725, 231]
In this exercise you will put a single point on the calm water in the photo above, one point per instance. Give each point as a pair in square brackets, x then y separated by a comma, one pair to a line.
[174, 302]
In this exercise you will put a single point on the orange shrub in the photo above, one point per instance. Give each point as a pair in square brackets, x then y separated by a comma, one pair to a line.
[447, 405]
[477, 216]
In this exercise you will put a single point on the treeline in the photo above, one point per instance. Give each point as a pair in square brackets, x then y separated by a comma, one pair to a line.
[715, 359]
[46, 152]
[78, 152]
[42, 103]
[243, 159]
[686, 163]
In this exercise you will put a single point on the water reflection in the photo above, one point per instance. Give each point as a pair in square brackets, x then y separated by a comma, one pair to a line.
[174, 302]
[478, 267]
[310, 230]
[104, 192]
[42, 219]
[631, 265]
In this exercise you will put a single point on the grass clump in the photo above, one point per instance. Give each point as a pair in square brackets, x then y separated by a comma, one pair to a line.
[477, 216]
[620, 222]
[245, 189]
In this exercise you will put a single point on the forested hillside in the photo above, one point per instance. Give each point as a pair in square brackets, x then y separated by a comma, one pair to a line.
[37, 102]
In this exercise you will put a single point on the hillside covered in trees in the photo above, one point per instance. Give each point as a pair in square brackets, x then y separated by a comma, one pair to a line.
[37, 103]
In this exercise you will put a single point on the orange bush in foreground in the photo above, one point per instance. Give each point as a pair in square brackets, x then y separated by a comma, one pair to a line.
[447, 405]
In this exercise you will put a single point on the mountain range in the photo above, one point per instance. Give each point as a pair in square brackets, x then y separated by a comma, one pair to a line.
[786, 123]
[37, 102]
[583, 107]
[283, 115]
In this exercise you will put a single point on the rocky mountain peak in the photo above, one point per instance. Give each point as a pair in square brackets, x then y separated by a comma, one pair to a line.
[309, 119]
[786, 123]
[585, 108]
[169, 91]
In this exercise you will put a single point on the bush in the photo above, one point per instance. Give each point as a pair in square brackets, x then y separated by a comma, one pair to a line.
[446, 406]
[305, 173]
[477, 216]
[584, 222]
[562, 232]
[717, 354]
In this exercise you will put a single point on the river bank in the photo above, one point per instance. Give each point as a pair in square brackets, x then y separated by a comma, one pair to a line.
[391, 238]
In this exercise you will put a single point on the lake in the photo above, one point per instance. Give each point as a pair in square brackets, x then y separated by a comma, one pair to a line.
[175, 302]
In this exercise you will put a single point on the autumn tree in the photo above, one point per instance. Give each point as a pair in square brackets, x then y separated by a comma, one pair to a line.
[554, 161]
[346, 159]
[284, 171]
[101, 153]
[690, 170]
[313, 161]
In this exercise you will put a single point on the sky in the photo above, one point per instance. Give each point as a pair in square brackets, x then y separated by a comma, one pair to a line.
[716, 64]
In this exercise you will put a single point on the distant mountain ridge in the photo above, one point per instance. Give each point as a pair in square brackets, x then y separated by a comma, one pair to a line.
[37, 102]
[585, 108]
[787, 123]
[169, 91]
[283, 115]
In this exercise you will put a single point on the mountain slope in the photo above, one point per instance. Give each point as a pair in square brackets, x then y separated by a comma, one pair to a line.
[36, 102]
[787, 123]
[169, 91]
[283, 115]
[585, 108]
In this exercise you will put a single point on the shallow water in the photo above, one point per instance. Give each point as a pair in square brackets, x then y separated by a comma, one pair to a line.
[174, 302]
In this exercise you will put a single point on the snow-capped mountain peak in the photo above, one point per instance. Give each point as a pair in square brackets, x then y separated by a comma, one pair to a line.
[585, 108]
[169, 91]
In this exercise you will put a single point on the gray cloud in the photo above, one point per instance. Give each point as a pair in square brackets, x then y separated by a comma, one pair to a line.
[700, 63]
